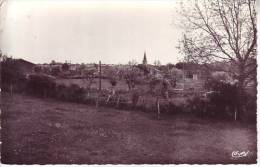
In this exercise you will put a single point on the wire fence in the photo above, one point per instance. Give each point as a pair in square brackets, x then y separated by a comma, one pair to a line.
[144, 102]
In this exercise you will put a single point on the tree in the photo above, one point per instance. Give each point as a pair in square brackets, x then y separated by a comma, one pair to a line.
[37, 69]
[222, 30]
[41, 85]
[170, 65]
[157, 63]
[65, 67]
[10, 73]
[131, 74]
[144, 69]
[55, 70]
[53, 62]
[179, 65]
[88, 76]
[1, 2]
[112, 75]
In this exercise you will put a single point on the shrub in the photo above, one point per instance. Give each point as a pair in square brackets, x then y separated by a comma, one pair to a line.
[77, 93]
[123, 103]
[21, 85]
[135, 97]
[174, 109]
[61, 92]
[65, 67]
[72, 93]
[113, 82]
[196, 105]
[153, 83]
[11, 75]
[55, 70]
[224, 95]
[37, 69]
[41, 85]
[251, 108]
[221, 76]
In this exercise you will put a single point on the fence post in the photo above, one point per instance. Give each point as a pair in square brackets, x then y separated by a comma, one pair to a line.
[99, 91]
[117, 103]
[11, 89]
[142, 103]
[97, 101]
[158, 108]
[108, 98]
[99, 76]
[235, 115]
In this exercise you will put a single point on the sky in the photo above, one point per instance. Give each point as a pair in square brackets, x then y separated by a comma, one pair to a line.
[88, 31]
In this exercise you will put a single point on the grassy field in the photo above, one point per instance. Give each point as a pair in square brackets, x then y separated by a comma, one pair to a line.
[44, 131]
[121, 85]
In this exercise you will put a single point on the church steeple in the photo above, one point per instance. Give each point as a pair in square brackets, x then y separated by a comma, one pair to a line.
[144, 59]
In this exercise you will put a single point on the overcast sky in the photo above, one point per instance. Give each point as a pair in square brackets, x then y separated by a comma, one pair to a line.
[89, 31]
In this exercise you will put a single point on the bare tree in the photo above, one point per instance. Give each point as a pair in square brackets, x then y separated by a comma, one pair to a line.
[112, 76]
[1, 3]
[88, 76]
[131, 74]
[218, 30]
[1, 14]
[157, 63]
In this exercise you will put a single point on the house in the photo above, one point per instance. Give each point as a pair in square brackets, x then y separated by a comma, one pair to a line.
[73, 67]
[24, 66]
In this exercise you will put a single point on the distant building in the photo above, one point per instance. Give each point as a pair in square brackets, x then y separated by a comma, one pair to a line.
[195, 76]
[73, 67]
[24, 66]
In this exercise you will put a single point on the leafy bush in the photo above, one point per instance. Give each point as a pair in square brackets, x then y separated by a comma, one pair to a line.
[77, 93]
[113, 82]
[37, 69]
[251, 108]
[21, 85]
[55, 70]
[11, 75]
[174, 109]
[61, 92]
[196, 105]
[65, 67]
[41, 85]
[144, 69]
[224, 95]
[153, 83]
[221, 76]
[73, 93]
[135, 97]
[123, 103]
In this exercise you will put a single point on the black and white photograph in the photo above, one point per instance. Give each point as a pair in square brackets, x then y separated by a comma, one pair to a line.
[93, 82]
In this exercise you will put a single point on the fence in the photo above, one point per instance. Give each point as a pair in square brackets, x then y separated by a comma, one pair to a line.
[145, 102]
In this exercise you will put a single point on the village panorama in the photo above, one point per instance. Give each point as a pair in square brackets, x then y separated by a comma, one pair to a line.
[199, 109]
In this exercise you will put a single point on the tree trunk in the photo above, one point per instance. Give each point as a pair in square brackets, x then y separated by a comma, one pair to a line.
[113, 90]
[129, 86]
[117, 102]
[241, 93]
[158, 108]
[97, 102]
[240, 104]
[11, 89]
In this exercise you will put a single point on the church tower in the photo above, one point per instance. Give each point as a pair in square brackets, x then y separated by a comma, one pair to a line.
[144, 59]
